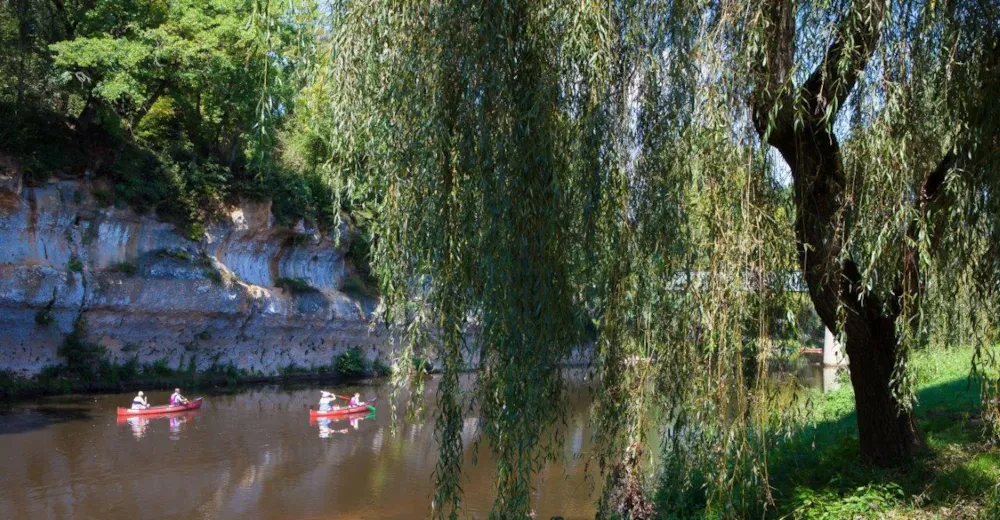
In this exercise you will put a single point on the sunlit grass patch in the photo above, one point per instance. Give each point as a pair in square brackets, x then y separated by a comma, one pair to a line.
[818, 473]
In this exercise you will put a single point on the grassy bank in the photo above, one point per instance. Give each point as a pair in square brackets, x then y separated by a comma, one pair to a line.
[817, 474]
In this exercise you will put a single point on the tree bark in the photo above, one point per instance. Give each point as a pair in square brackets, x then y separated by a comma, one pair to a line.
[887, 433]
[887, 430]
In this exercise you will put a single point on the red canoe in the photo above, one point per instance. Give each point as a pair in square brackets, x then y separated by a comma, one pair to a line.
[343, 411]
[153, 410]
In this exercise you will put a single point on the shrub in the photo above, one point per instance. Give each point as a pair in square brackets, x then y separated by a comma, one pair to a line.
[176, 254]
[158, 368]
[75, 265]
[51, 372]
[381, 368]
[292, 369]
[295, 285]
[352, 363]
[40, 141]
[104, 198]
[111, 372]
[194, 231]
[82, 357]
[232, 374]
[359, 252]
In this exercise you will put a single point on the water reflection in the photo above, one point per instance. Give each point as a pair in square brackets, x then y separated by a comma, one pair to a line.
[252, 455]
[247, 455]
[140, 425]
[328, 426]
[177, 422]
[816, 375]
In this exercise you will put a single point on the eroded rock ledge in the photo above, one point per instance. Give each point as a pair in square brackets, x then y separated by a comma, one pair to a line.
[145, 290]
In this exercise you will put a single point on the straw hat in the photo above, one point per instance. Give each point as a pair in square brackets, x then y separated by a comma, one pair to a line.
[324, 393]
[140, 392]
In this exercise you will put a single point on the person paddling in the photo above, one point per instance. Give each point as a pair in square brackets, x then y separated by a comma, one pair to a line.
[356, 400]
[139, 402]
[326, 401]
[177, 399]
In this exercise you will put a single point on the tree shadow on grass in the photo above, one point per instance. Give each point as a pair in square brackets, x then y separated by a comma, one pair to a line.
[819, 472]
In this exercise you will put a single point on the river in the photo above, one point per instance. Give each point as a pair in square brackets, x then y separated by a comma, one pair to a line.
[256, 454]
[253, 454]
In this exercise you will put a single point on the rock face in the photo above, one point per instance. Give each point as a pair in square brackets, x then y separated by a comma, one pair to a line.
[145, 290]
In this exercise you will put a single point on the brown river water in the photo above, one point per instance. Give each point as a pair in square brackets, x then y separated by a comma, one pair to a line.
[255, 454]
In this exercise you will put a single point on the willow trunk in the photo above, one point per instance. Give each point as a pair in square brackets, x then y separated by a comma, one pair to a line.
[887, 431]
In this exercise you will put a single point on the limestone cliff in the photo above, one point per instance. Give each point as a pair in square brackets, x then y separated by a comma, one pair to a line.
[145, 290]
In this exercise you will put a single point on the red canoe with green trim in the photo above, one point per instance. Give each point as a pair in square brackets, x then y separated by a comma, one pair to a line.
[365, 408]
[194, 404]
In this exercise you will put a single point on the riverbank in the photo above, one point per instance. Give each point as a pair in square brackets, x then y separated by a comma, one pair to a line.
[17, 389]
[110, 377]
[817, 474]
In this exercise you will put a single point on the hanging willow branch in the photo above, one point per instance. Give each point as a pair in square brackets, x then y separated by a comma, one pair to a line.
[663, 169]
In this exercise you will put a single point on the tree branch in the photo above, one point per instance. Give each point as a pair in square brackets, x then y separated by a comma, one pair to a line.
[935, 180]
[145, 108]
[773, 65]
[68, 24]
[811, 150]
[845, 60]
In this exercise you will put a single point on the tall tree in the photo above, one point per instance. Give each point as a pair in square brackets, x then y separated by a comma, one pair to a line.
[540, 163]
[799, 118]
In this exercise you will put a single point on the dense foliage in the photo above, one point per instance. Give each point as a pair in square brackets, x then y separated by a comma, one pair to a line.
[660, 172]
[663, 169]
[174, 106]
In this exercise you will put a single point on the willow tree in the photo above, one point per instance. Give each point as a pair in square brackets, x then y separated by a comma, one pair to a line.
[535, 164]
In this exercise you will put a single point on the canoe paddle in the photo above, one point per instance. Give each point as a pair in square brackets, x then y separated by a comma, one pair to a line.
[344, 397]
[364, 403]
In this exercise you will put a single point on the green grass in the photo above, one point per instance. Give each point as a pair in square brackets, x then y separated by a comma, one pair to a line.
[818, 475]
